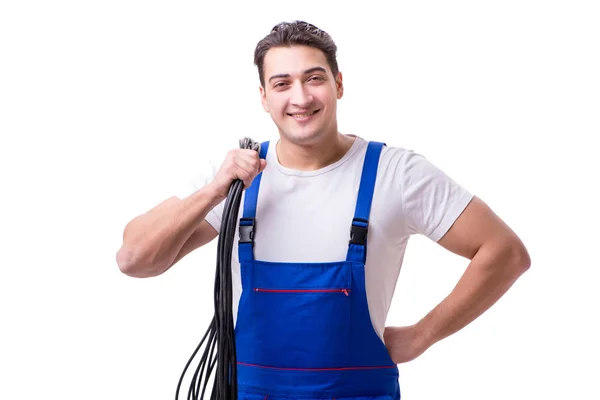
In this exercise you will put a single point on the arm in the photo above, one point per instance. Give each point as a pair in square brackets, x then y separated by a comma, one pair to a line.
[156, 240]
[153, 242]
[498, 258]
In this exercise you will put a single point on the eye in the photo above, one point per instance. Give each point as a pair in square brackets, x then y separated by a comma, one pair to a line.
[279, 85]
[316, 78]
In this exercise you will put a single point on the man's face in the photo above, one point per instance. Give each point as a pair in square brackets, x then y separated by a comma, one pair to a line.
[301, 93]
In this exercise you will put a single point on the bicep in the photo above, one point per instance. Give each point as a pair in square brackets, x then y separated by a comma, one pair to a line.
[476, 225]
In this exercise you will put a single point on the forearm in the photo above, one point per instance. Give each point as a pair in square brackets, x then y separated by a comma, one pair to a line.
[491, 272]
[152, 241]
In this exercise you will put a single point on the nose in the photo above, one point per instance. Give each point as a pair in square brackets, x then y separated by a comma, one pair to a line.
[301, 96]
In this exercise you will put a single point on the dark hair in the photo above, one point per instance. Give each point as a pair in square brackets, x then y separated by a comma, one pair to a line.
[298, 33]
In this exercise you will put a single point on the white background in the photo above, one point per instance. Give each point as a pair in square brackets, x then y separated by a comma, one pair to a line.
[107, 108]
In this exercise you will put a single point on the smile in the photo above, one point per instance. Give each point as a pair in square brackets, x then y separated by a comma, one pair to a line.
[304, 116]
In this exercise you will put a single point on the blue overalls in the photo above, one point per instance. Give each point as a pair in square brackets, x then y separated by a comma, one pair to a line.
[303, 330]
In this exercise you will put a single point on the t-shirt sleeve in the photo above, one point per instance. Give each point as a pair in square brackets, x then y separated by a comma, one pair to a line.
[431, 200]
[199, 179]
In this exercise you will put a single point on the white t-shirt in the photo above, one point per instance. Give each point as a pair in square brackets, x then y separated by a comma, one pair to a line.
[305, 216]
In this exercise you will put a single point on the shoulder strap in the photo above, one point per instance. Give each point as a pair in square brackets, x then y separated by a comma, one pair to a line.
[248, 220]
[357, 250]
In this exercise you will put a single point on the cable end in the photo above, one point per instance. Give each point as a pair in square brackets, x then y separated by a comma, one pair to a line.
[247, 143]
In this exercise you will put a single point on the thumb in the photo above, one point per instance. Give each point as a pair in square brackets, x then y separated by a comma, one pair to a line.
[263, 165]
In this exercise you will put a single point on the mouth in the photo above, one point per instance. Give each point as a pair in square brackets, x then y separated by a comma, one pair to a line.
[304, 116]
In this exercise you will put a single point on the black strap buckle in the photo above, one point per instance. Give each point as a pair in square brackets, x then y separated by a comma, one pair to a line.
[246, 230]
[358, 234]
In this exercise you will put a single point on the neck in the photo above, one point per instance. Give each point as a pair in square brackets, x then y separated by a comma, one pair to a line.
[313, 156]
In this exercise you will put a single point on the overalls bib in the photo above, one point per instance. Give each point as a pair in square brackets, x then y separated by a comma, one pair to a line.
[303, 330]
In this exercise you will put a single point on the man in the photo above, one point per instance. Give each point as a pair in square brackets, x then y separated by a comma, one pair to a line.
[310, 302]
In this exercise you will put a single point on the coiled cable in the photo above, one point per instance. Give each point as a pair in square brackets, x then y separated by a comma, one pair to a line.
[220, 333]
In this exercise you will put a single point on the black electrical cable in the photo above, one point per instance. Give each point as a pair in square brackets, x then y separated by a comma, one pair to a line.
[220, 333]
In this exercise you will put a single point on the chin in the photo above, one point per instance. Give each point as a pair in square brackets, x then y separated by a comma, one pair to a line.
[302, 137]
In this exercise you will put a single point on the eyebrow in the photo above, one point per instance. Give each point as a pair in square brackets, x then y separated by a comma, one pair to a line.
[308, 71]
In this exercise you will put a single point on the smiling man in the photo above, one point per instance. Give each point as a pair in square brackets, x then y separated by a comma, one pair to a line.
[310, 302]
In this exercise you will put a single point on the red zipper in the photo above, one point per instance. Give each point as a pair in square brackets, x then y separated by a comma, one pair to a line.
[345, 291]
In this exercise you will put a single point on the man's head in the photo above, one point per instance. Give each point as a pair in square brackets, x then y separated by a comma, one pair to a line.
[300, 80]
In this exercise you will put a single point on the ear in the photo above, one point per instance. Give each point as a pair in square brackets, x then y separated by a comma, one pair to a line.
[263, 99]
[339, 85]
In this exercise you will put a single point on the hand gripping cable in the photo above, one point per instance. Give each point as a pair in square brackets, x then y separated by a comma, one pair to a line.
[220, 332]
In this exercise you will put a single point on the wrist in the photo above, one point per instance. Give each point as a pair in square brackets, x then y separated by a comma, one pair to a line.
[425, 333]
[214, 194]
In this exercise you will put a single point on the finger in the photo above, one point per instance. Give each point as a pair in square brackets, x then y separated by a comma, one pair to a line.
[252, 157]
[246, 176]
[251, 164]
[246, 169]
[249, 151]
